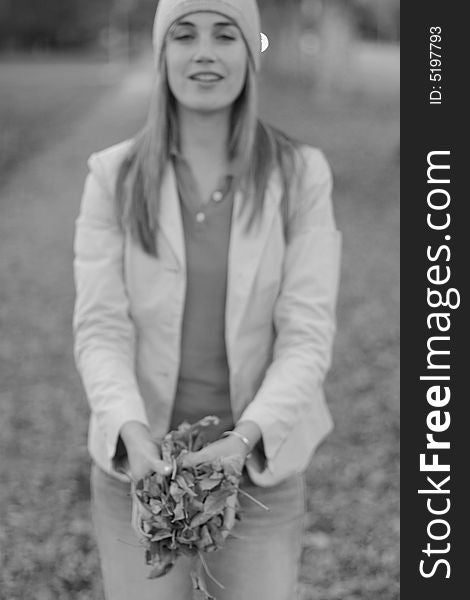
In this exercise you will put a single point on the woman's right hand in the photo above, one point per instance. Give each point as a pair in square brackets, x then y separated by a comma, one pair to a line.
[143, 454]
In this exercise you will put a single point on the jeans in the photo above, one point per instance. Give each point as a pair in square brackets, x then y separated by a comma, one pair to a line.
[260, 563]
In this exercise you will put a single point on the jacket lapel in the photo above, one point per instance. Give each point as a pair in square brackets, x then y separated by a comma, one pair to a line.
[245, 251]
[170, 219]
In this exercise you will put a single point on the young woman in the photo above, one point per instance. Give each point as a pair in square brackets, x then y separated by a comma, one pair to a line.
[206, 271]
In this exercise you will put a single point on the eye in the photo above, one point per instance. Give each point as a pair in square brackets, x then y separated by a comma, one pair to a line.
[226, 37]
[226, 32]
[183, 37]
[182, 33]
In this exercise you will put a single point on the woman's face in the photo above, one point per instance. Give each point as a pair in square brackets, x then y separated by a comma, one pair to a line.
[206, 60]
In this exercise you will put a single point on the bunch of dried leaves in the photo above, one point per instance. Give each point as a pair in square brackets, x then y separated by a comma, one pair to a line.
[185, 513]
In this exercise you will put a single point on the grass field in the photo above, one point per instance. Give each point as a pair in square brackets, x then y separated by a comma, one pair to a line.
[39, 101]
[47, 548]
[351, 546]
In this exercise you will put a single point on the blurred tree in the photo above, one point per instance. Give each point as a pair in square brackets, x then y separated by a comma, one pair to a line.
[314, 40]
[141, 18]
[64, 23]
[336, 33]
[378, 19]
[282, 24]
[52, 24]
[310, 39]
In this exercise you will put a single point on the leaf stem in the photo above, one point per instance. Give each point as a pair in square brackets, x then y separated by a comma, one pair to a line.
[208, 573]
[233, 535]
[253, 499]
[142, 545]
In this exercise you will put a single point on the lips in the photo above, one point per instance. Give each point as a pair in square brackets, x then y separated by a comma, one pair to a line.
[206, 77]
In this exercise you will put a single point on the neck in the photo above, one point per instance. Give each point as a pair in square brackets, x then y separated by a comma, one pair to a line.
[204, 135]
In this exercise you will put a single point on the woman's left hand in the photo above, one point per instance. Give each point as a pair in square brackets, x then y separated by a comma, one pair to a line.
[229, 445]
[222, 448]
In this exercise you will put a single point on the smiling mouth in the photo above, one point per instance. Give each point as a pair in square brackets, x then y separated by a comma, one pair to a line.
[206, 77]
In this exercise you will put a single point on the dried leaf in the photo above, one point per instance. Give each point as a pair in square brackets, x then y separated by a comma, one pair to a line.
[160, 535]
[199, 519]
[195, 506]
[215, 503]
[160, 569]
[218, 521]
[155, 507]
[159, 522]
[205, 538]
[155, 487]
[181, 481]
[183, 514]
[188, 550]
[188, 477]
[216, 534]
[179, 512]
[176, 492]
[188, 535]
[144, 509]
[207, 483]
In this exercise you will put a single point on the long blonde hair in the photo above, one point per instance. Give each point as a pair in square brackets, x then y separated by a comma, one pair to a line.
[255, 148]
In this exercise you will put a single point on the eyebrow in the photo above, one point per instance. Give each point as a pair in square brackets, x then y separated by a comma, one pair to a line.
[218, 24]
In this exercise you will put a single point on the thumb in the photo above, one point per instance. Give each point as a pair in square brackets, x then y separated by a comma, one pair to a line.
[192, 459]
[162, 467]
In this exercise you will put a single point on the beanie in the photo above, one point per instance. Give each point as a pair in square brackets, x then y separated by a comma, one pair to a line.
[244, 13]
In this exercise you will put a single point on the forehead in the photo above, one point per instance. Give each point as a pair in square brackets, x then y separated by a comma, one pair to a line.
[204, 19]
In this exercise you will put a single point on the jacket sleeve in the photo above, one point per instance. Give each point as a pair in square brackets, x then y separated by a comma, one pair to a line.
[103, 331]
[304, 322]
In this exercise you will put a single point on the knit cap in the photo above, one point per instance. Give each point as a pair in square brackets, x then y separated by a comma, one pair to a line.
[245, 13]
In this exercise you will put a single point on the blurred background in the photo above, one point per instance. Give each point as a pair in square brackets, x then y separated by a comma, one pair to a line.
[75, 77]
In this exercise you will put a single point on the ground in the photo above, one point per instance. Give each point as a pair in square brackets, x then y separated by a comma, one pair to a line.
[55, 122]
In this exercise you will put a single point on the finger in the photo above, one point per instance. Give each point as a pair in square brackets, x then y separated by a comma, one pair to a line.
[193, 459]
[148, 468]
[229, 521]
[124, 468]
[229, 515]
[162, 468]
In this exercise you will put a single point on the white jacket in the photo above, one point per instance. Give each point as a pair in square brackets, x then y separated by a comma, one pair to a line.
[279, 316]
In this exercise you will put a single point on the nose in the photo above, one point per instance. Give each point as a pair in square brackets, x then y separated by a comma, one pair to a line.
[204, 51]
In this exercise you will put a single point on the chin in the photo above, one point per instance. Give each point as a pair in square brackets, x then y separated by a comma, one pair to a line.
[206, 106]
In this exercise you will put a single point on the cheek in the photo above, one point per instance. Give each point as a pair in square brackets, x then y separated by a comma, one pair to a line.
[239, 67]
[174, 67]
[240, 75]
